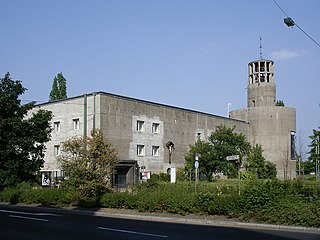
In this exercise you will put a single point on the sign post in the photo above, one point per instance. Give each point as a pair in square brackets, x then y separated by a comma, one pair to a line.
[173, 174]
[236, 158]
[196, 166]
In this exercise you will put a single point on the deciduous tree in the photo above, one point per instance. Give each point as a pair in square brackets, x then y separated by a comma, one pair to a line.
[209, 163]
[226, 142]
[89, 164]
[22, 138]
[258, 165]
[221, 143]
[315, 148]
[59, 88]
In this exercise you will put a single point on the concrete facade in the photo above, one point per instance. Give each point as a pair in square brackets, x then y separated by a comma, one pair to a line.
[140, 130]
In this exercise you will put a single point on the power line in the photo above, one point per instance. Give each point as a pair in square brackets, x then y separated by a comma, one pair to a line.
[280, 8]
[290, 23]
[307, 35]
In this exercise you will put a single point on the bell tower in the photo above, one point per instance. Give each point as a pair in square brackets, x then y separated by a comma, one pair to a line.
[273, 127]
[261, 86]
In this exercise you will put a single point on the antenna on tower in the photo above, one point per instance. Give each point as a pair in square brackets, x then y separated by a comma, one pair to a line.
[260, 48]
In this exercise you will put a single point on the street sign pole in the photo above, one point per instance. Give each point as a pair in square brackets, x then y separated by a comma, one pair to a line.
[196, 166]
[236, 158]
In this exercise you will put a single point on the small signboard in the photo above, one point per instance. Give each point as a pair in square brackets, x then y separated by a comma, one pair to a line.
[45, 179]
[233, 157]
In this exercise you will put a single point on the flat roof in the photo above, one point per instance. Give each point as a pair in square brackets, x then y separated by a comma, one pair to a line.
[139, 101]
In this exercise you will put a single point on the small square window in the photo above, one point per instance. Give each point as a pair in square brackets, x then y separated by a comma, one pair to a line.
[76, 124]
[140, 150]
[140, 126]
[56, 150]
[155, 127]
[56, 127]
[155, 151]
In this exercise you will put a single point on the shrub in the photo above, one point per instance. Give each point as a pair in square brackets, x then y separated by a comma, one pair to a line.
[118, 200]
[260, 193]
[204, 201]
[291, 212]
[271, 201]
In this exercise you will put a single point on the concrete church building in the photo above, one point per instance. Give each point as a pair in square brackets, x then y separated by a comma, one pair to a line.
[145, 133]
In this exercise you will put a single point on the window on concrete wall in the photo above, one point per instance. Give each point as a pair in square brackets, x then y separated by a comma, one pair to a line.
[56, 150]
[155, 127]
[56, 126]
[76, 124]
[293, 145]
[140, 126]
[140, 150]
[155, 151]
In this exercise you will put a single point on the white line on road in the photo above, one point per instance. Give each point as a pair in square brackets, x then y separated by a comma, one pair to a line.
[29, 218]
[132, 232]
[28, 213]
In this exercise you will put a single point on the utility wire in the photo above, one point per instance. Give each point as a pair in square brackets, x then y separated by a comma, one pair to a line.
[280, 8]
[297, 24]
[307, 35]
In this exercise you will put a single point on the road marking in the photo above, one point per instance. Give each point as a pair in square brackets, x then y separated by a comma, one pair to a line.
[132, 232]
[29, 218]
[27, 213]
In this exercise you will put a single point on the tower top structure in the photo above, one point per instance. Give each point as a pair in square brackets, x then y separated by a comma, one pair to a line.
[261, 86]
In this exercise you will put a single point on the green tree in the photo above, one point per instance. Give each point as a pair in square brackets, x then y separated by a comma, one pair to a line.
[315, 144]
[59, 88]
[315, 149]
[271, 170]
[308, 166]
[208, 162]
[257, 164]
[280, 103]
[22, 137]
[225, 143]
[89, 164]
[222, 143]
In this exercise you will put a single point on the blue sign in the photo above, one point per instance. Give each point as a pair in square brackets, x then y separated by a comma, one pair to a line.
[196, 164]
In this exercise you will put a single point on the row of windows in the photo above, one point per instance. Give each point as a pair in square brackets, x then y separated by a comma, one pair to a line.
[141, 150]
[141, 127]
[76, 126]
[57, 125]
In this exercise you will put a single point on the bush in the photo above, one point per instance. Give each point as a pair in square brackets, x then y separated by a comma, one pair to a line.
[118, 200]
[271, 201]
[288, 212]
[260, 193]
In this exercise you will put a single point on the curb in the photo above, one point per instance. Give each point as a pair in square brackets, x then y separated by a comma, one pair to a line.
[209, 222]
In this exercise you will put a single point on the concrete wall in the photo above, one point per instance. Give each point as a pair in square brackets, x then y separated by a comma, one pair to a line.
[65, 112]
[271, 127]
[119, 116]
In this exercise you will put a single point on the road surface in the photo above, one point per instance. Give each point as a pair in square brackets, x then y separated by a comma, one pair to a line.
[20, 222]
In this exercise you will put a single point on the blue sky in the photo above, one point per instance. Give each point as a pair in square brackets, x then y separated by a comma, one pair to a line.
[187, 53]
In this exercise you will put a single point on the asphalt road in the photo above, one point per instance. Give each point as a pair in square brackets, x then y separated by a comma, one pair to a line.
[17, 222]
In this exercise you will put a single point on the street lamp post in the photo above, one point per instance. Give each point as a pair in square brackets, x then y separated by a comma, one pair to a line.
[229, 105]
